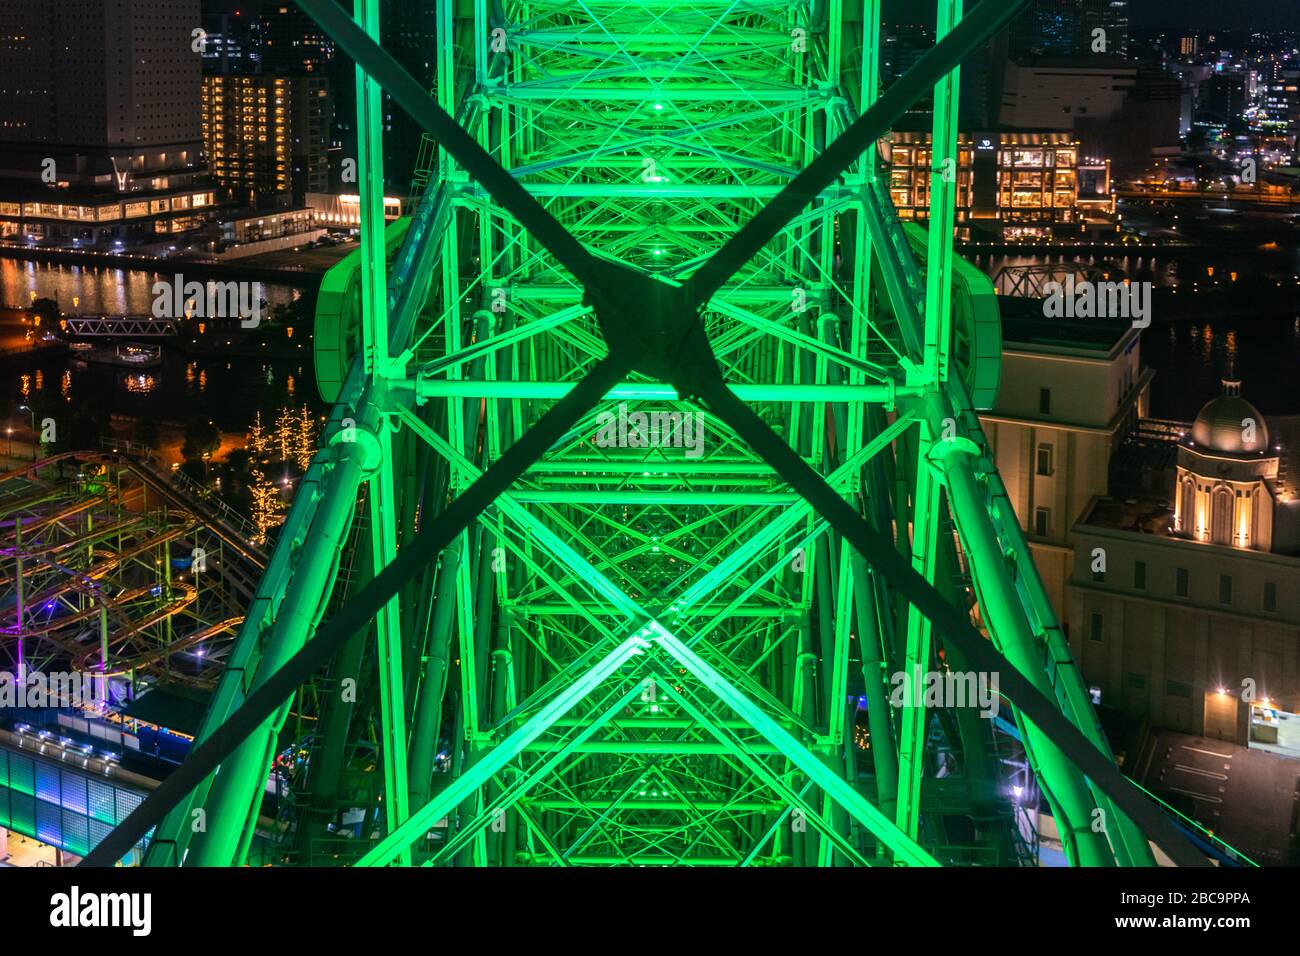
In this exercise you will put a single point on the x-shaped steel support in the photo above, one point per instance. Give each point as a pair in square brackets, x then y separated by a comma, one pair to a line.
[655, 328]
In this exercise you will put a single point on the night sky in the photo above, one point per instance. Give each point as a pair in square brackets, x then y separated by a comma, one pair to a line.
[1158, 14]
[1215, 14]
[1144, 14]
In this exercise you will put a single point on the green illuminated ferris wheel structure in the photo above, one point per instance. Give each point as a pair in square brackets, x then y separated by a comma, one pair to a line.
[496, 640]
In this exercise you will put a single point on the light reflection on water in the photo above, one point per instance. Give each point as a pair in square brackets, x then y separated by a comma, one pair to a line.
[139, 383]
[98, 289]
[228, 389]
[1191, 358]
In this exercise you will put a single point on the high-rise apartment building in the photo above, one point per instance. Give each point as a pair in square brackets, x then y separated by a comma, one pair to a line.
[408, 28]
[232, 43]
[292, 42]
[100, 145]
[266, 137]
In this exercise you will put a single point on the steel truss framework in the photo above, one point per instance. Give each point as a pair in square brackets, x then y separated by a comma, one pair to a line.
[643, 656]
[99, 567]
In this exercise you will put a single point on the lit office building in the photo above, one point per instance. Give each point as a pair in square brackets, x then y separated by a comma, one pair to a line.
[1015, 184]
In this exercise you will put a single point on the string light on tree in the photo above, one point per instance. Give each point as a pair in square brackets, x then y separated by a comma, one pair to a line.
[258, 441]
[284, 439]
[267, 505]
[305, 438]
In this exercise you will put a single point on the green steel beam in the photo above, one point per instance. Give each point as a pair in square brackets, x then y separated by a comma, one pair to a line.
[905, 850]
[426, 388]
[381, 501]
[610, 145]
[393, 845]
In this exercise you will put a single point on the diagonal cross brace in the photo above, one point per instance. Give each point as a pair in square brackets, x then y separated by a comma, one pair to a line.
[358, 612]
[831, 783]
[881, 554]
[595, 274]
[500, 755]
[519, 788]
[794, 801]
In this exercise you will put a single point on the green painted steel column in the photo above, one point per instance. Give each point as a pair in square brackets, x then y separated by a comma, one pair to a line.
[236, 792]
[18, 595]
[433, 684]
[916, 655]
[876, 682]
[943, 205]
[1072, 802]
[382, 500]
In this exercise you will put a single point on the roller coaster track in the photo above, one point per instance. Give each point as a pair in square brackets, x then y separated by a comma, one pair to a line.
[93, 595]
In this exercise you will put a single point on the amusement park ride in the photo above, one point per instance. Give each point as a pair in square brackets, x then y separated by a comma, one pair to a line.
[531, 647]
[112, 572]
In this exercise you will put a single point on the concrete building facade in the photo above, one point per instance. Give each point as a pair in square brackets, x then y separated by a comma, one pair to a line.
[1070, 395]
[1185, 609]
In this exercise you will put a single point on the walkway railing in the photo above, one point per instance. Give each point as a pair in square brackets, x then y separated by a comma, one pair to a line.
[182, 482]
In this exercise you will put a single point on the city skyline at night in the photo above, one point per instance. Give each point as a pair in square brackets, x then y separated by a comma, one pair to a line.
[651, 435]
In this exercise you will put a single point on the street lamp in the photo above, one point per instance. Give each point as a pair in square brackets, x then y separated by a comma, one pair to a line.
[10, 430]
[32, 412]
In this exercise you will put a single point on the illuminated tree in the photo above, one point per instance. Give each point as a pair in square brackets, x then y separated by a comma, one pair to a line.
[258, 441]
[267, 506]
[304, 438]
[284, 440]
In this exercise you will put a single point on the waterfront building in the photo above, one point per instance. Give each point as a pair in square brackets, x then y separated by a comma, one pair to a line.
[1170, 550]
[1012, 183]
[343, 210]
[1194, 624]
[101, 149]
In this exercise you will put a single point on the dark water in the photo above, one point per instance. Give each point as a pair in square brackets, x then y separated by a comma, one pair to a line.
[227, 389]
[1191, 357]
[1272, 260]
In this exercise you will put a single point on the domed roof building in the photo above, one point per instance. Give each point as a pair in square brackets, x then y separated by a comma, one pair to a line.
[1230, 425]
[1226, 471]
